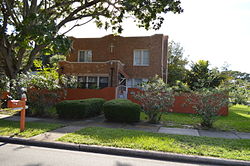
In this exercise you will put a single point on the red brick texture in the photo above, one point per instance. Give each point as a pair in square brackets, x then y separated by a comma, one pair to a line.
[123, 48]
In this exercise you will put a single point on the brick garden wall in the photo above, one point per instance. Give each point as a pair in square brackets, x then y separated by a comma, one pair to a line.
[110, 93]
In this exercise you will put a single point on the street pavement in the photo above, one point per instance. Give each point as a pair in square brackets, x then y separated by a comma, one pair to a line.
[20, 155]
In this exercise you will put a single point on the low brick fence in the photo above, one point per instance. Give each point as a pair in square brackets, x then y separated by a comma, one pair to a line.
[109, 93]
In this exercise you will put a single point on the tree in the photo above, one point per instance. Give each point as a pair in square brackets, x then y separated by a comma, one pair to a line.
[238, 84]
[157, 98]
[200, 76]
[30, 28]
[176, 63]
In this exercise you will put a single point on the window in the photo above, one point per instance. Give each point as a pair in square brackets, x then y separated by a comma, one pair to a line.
[103, 82]
[92, 82]
[135, 82]
[141, 57]
[85, 56]
[82, 82]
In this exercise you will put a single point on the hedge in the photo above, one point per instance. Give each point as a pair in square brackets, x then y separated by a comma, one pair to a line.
[76, 109]
[121, 110]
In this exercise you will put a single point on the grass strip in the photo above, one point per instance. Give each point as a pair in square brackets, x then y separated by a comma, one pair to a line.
[123, 138]
[11, 128]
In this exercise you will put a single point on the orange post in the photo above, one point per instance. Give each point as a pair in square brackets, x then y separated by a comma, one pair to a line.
[17, 104]
[22, 117]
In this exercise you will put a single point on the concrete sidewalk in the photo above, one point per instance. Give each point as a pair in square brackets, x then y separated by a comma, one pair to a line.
[72, 126]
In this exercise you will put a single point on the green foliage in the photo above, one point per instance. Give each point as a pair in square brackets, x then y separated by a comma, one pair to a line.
[200, 76]
[207, 103]
[180, 87]
[238, 85]
[155, 99]
[121, 110]
[77, 109]
[44, 78]
[122, 138]
[56, 58]
[3, 83]
[239, 92]
[176, 63]
[29, 29]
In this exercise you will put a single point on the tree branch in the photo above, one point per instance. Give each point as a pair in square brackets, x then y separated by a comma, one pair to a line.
[32, 56]
[25, 8]
[71, 15]
[33, 6]
[76, 25]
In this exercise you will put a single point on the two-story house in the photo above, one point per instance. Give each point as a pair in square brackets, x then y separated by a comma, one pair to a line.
[113, 61]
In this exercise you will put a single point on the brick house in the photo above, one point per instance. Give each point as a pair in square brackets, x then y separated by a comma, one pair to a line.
[116, 61]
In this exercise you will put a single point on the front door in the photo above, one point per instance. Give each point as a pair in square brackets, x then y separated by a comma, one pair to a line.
[122, 89]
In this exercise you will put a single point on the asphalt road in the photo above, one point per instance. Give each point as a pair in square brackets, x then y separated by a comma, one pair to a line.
[20, 155]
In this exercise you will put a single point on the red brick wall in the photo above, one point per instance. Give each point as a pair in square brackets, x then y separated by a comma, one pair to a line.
[110, 93]
[76, 94]
[4, 95]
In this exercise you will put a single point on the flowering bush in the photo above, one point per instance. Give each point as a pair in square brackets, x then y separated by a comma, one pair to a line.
[207, 103]
[155, 99]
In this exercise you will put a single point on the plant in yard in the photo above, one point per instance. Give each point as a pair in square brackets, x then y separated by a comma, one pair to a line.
[207, 103]
[76, 109]
[155, 99]
[121, 110]
[200, 76]
[176, 63]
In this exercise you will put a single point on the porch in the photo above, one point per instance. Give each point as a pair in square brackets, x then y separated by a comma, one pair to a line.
[95, 75]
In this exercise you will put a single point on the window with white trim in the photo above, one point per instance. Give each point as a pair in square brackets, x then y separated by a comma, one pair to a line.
[85, 56]
[141, 57]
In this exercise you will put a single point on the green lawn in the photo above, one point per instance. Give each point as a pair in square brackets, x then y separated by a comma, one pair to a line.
[237, 120]
[10, 128]
[204, 146]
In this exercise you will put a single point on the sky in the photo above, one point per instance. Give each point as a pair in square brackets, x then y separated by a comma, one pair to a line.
[213, 30]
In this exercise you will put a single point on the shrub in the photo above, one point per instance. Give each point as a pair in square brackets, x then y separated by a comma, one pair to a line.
[75, 109]
[207, 103]
[155, 99]
[121, 110]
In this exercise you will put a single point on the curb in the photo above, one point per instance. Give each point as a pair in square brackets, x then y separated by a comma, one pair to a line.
[127, 152]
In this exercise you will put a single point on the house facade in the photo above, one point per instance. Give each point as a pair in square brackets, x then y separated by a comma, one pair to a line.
[116, 61]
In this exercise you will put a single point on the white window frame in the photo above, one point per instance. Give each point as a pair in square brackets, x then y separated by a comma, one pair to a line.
[78, 59]
[141, 57]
